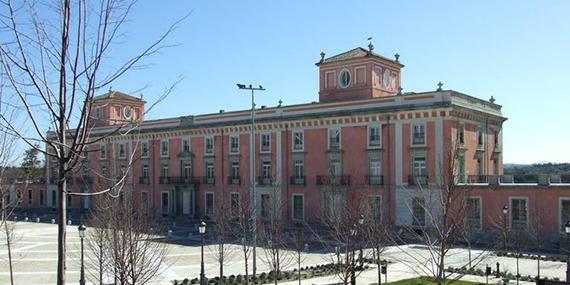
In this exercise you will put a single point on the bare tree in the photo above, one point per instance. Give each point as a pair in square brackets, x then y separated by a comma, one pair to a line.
[377, 228]
[342, 218]
[128, 245]
[438, 215]
[300, 245]
[536, 229]
[243, 228]
[271, 230]
[223, 236]
[56, 56]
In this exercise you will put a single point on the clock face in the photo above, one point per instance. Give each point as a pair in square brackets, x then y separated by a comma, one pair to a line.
[128, 112]
[386, 78]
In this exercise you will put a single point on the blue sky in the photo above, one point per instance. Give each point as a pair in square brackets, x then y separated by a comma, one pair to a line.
[516, 51]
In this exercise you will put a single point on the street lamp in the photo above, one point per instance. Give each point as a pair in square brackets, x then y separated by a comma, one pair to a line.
[82, 229]
[202, 231]
[252, 168]
[361, 254]
[567, 230]
[505, 212]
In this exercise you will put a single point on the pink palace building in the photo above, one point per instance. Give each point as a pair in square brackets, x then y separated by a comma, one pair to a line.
[364, 135]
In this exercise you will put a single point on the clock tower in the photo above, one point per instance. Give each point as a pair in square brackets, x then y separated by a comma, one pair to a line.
[358, 74]
[115, 108]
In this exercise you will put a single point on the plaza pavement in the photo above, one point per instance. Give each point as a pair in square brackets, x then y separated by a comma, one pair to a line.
[35, 256]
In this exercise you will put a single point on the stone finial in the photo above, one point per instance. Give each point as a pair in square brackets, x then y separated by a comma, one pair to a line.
[142, 96]
[322, 56]
[397, 56]
[492, 100]
[280, 102]
[370, 48]
[439, 85]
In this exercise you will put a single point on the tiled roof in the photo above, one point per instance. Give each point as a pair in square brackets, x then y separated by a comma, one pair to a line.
[354, 54]
[117, 95]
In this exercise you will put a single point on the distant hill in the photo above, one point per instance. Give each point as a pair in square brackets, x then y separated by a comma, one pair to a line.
[537, 168]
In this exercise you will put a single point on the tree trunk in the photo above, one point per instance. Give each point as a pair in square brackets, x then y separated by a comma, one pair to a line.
[9, 248]
[61, 228]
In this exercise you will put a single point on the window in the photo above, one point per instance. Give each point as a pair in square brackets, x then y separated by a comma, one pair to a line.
[479, 164]
[265, 205]
[419, 167]
[234, 144]
[185, 145]
[334, 167]
[496, 138]
[122, 153]
[234, 204]
[187, 170]
[519, 213]
[144, 149]
[375, 207]
[298, 207]
[235, 170]
[209, 172]
[145, 171]
[374, 136]
[334, 139]
[53, 198]
[564, 212]
[299, 168]
[97, 113]
[461, 168]
[265, 142]
[164, 148]
[144, 199]
[495, 166]
[419, 134]
[164, 170]
[479, 136]
[30, 193]
[298, 140]
[418, 212]
[266, 169]
[462, 134]
[164, 202]
[102, 151]
[209, 145]
[344, 78]
[209, 204]
[375, 172]
[473, 212]
[42, 197]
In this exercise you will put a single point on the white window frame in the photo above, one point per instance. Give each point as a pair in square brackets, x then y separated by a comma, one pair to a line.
[339, 137]
[162, 142]
[560, 222]
[102, 151]
[143, 154]
[302, 206]
[295, 165]
[266, 169]
[412, 127]
[261, 136]
[186, 141]
[481, 133]
[232, 139]
[206, 203]
[302, 132]
[480, 199]
[124, 150]
[379, 127]
[145, 170]
[213, 176]
[162, 205]
[233, 166]
[206, 140]
[511, 210]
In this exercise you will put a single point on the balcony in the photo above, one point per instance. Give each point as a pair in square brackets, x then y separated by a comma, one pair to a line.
[297, 180]
[419, 139]
[234, 180]
[164, 180]
[375, 179]
[477, 179]
[264, 180]
[144, 180]
[333, 179]
[418, 180]
[184, 180]
[84, 180]
[208, 180]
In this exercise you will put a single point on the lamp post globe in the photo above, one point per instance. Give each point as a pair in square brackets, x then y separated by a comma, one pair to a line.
[202, 231]
[567, 227]
[82, 230]
[361, 220]
[505, 209]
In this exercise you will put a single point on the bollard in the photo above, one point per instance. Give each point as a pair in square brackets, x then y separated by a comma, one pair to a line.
[15, 218]
[53, 221]
[26, 219]
[37, 219]
[487, 273]
[498, 272]
[174, 224]
[69, 222]
[169, 233]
